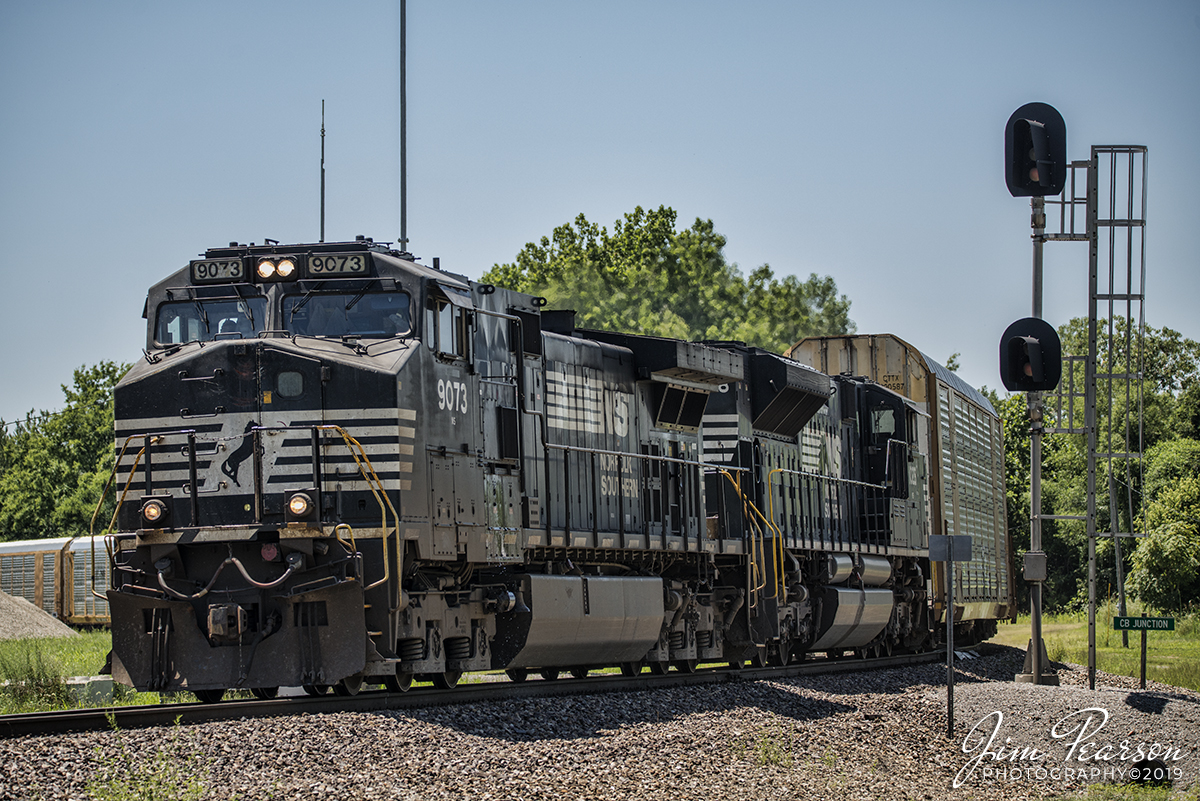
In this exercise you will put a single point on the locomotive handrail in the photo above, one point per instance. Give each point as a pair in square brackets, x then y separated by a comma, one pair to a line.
[103, 494]
[372, 482]
[619, 455]
[753, 565]
[819, 477]
[357, 452]
[352, 545]
[650, 456]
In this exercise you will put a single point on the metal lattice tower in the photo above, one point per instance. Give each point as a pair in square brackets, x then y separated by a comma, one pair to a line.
[1111, 217]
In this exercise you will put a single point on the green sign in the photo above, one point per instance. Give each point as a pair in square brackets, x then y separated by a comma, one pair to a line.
[1144, 623]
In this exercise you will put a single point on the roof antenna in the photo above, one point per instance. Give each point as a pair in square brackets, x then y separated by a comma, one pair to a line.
[322, 169]
[403, 139]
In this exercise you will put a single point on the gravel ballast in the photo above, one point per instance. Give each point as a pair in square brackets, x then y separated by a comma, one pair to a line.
[859, 735]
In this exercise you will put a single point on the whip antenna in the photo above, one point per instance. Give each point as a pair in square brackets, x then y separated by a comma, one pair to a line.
[322, 170]
[403, 140]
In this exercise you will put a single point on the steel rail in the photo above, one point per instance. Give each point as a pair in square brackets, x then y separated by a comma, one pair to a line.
[132, 717]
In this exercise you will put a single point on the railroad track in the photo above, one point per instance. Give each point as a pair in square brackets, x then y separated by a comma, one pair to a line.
[132, 717]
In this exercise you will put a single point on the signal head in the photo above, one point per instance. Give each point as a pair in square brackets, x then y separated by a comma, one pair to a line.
[1030, 356]
[1035, 151]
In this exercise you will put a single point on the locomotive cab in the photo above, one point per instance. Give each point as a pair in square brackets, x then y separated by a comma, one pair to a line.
[257, 484]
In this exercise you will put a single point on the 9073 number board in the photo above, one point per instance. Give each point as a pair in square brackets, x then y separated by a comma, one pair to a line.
[337, 264]
[218, 270]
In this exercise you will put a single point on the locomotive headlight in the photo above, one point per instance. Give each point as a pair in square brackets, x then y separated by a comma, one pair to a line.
[285, 268]
[266, 268]
[153, 511]
[300, 504]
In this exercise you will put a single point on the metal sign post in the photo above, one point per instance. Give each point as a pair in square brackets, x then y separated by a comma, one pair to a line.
[1124, 624]
[948, 549]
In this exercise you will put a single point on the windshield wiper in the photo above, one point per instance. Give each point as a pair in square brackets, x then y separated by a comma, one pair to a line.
[307, 297]
[203, 315]
[359, 296]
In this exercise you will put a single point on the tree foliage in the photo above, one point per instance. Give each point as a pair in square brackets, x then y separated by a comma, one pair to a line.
[53, 466]
[648, 278]
[1166, 565]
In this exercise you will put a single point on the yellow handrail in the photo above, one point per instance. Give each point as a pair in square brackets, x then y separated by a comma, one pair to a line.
[757, 578]
[357, 452]
[373, 481]
[104, 494]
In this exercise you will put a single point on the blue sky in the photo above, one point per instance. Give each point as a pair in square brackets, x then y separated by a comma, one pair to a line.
[861, 140]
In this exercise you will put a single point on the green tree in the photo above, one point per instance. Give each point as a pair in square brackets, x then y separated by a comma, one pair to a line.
[1169, 366]
[646, 277]
[1168, 463]
[1166, 565]
[54, 465]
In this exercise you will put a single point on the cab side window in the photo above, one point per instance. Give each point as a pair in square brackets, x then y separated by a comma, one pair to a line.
[446, 329]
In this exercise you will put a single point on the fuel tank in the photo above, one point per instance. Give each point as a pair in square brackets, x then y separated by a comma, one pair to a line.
[852, 617]
[578, 620]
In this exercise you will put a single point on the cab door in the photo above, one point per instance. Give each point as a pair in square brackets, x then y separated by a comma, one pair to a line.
[453, 398]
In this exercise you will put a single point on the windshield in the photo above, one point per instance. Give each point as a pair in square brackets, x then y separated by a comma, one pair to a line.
[374, 314]
[203, 320]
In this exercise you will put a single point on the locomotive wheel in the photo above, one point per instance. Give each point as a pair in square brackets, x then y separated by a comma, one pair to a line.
[685, 665]
[549, 674]
[348, 686]
[759, 659]
[316, 689]
[208, 696]
[579, 673]
[400, 683]
[517, 674]
[447, 680]
[264, 693]
[630, 669]
[659, 668]
[887, 648]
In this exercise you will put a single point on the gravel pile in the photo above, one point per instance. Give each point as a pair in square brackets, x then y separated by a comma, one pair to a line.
[864, 735]
[21, 620]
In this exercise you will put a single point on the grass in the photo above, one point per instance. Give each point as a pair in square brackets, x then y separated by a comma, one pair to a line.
[768, 746]
[1172, 657]
[170, 774]
[1137, 792]
[34, 679]
[36, 672]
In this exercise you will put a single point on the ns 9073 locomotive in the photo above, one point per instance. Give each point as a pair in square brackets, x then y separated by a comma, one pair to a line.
[337, 466]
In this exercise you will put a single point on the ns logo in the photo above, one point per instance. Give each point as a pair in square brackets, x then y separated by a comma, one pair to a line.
[620, 414]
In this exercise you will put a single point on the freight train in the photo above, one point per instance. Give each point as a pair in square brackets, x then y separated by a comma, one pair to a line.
[58, 575]
[338, 466]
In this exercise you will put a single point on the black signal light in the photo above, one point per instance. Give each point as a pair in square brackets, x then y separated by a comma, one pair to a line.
[1035, 151]
[1030, 356]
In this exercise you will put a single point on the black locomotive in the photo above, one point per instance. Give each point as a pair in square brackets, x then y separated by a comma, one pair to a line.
[339, 466]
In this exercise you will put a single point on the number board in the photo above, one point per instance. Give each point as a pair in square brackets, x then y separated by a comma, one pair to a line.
[206, 271]
[1144, 623]
[338, 265]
